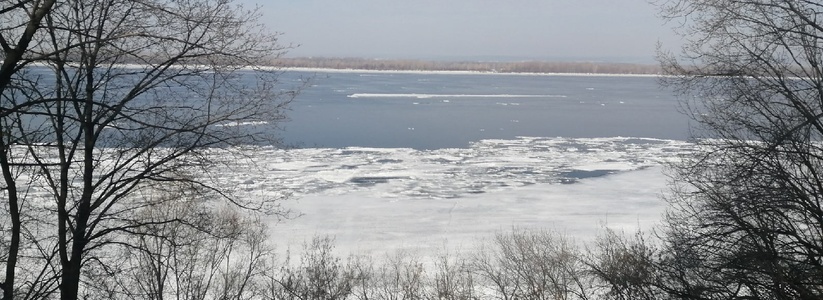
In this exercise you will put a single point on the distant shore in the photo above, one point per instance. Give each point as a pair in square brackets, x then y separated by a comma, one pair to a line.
[467, 67]
[327, 70]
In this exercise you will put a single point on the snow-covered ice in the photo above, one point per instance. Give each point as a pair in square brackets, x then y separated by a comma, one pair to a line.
[364, 222]
[384, 199]
[427, 96]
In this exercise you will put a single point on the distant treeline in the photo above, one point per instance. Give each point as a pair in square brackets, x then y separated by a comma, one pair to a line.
[482, 66]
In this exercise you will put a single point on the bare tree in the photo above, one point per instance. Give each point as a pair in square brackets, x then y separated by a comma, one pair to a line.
[452, 279]
[318, 275]
[623, 268]
[747, 215]
[532, 264]
[106, 100]
[23, 19]
[216, 254]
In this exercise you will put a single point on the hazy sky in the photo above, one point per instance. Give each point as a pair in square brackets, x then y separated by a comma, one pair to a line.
[620, 30]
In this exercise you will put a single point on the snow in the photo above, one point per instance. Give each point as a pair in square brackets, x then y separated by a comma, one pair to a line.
[377, 200]
[243, 123]
[426, 96]
[363, 222]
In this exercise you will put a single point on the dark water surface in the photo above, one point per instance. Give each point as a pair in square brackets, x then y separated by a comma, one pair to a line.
[432, 111]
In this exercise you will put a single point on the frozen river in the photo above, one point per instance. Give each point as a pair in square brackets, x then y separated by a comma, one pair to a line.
[426, 161]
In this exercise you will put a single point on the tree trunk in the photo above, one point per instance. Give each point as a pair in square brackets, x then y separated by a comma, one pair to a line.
[10, 62]
[70, 278]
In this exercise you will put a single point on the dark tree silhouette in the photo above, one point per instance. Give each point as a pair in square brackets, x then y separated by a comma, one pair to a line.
[105, 104]
[747, 219]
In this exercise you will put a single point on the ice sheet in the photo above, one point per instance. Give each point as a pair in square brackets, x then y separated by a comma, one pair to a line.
[363, 222]
[382, 199]
[488, 165]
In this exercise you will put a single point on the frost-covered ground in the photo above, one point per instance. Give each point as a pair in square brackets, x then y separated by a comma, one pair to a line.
[384, 199]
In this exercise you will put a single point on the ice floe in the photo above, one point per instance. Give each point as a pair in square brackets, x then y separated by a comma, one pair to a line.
[378, 199]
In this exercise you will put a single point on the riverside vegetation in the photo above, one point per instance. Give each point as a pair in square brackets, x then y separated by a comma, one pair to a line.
[537, 67]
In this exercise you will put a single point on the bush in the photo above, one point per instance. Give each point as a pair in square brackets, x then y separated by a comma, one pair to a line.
[532, 265]
[319, 275]
[623, 268]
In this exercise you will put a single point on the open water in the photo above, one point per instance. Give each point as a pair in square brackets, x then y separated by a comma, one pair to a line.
[434, 111]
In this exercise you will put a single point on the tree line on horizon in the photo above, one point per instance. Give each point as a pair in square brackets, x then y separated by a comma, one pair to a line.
[340, 63]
